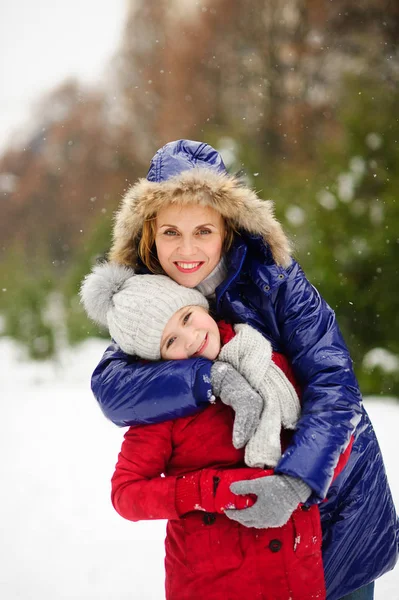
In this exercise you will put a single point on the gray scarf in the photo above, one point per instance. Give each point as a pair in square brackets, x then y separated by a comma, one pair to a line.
[210, 283]
[251, 355]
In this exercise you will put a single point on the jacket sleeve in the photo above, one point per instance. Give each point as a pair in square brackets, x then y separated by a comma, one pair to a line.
[134, 392]
[281, 361]
[139, 492]
[331, 400]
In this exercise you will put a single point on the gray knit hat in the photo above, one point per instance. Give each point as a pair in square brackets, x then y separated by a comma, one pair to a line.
[135, 308]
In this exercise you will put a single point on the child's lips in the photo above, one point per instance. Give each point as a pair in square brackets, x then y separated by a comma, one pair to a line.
[202, 347]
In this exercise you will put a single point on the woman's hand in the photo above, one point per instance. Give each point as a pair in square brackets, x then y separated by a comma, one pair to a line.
[278, 497]
[235, 391]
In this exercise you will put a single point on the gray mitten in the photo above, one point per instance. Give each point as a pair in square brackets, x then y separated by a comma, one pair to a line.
[235, 391]
[278, 497]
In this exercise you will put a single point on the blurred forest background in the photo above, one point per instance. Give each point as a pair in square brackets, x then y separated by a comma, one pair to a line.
[302, 95]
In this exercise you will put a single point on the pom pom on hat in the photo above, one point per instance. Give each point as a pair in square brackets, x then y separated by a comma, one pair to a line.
[98, 289]
[136, 308]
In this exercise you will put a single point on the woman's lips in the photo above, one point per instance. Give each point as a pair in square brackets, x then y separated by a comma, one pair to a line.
[188, 267]
[202, 347]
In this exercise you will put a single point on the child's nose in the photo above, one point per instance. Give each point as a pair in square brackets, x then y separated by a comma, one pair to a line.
[190, 338]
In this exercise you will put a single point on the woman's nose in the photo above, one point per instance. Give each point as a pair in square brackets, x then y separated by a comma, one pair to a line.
[186, 246]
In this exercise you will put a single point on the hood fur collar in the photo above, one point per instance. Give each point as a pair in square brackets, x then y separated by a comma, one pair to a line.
[225, 193]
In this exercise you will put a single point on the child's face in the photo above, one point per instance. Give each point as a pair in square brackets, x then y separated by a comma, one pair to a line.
[190, 332]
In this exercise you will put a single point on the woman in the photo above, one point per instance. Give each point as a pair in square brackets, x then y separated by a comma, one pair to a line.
[192, 221]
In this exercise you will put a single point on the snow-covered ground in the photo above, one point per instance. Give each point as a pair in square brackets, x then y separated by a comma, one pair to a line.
[60, 538]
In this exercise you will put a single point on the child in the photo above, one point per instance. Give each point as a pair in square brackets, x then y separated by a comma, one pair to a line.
[208, 555]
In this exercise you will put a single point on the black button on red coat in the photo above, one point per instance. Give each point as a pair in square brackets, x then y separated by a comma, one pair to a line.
[275, 545]
[209, 518]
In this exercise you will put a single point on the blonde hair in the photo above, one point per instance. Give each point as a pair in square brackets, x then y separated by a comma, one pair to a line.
[147, 250]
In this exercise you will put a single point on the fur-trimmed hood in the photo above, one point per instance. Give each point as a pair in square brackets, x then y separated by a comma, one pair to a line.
[198, 183]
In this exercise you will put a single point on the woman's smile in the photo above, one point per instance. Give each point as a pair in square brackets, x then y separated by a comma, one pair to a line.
[188, 267]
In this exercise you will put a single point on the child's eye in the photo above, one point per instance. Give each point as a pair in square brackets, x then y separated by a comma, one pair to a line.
[186, 318]
[170, 342]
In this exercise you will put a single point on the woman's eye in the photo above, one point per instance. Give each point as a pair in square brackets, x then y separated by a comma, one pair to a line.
[186, 318]
[170, 342]
[204, 231]
[170, 232]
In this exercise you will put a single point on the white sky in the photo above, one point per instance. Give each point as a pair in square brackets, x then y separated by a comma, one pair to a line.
[44, 41]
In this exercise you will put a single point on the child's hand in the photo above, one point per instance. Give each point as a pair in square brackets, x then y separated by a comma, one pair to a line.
[209, 490]
[223, 498]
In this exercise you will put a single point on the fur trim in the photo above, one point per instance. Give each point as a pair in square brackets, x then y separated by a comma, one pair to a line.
[225, 193]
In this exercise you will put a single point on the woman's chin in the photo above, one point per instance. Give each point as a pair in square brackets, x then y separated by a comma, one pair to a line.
[190, 280]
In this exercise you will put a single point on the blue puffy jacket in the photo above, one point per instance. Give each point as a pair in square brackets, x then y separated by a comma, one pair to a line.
[269, 291]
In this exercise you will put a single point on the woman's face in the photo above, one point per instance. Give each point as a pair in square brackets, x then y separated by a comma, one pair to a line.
[190, 332]
[189, 242]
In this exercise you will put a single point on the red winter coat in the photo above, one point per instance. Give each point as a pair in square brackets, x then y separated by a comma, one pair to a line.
[208, 555]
